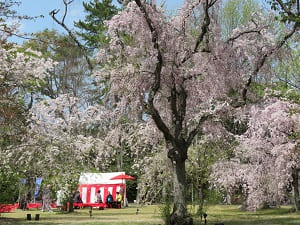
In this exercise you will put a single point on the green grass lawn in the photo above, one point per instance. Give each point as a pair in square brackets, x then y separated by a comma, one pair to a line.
[232, 215]
[229, 215]
[147, 215]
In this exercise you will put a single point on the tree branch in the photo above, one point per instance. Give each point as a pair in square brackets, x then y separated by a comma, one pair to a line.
[204, 30]
[178, 107]
[66, 3]
[182, 96]
[61, 23]
[22, 36]
[157, 74]
[289, 83]
[194, 132]
[30, 103]
[284, 8]
[243, 33]
[212, 3]
[260, 63]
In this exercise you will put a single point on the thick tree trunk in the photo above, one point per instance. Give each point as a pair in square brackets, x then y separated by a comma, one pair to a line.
[295, 175]
[180, 215]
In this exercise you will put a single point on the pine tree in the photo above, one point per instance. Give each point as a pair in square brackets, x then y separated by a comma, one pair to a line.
[93, 30]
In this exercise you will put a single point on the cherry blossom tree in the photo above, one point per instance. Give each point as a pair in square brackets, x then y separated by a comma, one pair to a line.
[58, 145]
[266, 163]
[20, 72]
[179, 72]
[151, 164]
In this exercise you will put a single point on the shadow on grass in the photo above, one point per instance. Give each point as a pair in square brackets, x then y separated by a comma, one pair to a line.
[276, 211]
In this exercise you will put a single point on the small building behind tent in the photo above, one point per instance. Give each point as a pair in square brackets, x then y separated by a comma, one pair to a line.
[90, 183]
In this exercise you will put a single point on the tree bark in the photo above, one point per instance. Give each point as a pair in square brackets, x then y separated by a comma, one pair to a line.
[295, 183]
[70, 206]
[180, 215]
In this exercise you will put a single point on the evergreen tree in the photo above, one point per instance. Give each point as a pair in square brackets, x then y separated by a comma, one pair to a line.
[93, 30]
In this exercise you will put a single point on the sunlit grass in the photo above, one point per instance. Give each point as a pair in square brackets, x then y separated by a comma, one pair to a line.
[146, 215]
[229, 215]
[234, 216]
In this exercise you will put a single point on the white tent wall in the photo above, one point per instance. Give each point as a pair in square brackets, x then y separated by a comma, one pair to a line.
[90, 183]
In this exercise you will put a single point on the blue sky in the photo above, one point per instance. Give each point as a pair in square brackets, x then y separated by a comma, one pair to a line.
[43, 7]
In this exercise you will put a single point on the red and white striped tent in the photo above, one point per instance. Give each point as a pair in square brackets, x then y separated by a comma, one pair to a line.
[90, 183]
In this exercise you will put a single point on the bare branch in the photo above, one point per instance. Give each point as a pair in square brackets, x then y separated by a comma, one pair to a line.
[61, 23]
[243, 33]
[256, 30]
[212, 3]
[66, 3]
[22, 36]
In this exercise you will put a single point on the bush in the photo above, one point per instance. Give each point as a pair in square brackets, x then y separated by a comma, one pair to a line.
[165, 210]
[8, 187]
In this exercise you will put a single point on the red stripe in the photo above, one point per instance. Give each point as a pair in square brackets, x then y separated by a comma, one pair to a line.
[97, 187]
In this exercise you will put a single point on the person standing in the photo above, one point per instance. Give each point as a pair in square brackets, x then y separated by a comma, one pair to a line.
[46, 197]
[98, 196]
[77, 198]
[109, 200]
[119, 200]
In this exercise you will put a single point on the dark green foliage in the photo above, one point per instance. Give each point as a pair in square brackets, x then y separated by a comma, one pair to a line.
[12, 122]
[166, 209]
[70, 75]
[280, 90]
[214, 196]
[12, 114]
[9, 184]
[202, 156]
[93, 30]
[131, 186]
[288, 10]
[258, 89]
[236, 127]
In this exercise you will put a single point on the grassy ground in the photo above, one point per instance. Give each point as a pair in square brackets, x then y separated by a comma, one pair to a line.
[234, 216]
[146, 215]
[150, 215]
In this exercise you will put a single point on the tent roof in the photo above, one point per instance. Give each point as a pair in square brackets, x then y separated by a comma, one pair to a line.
[100, 178]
